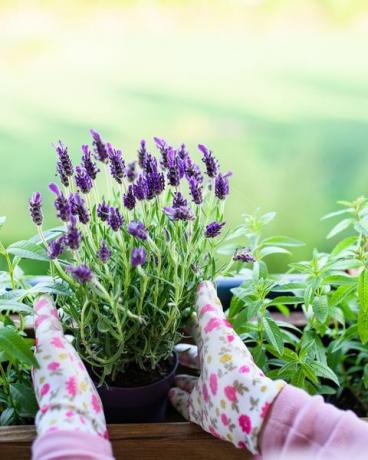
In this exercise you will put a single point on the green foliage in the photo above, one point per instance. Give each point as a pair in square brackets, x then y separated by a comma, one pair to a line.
[17, 400]
[327, 355]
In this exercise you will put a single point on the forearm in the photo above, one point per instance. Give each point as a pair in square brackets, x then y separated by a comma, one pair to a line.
[302, 426]
[71, 445]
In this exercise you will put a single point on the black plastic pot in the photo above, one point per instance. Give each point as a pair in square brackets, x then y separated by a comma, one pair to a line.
[145, 404]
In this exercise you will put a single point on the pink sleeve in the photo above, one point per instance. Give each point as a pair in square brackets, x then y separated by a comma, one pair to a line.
[302, 426]
[71, 445]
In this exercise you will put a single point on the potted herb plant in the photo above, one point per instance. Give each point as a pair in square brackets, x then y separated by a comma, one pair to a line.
[135, 241]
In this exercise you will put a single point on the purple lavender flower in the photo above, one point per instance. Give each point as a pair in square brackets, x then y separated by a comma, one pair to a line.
[103, 252]
[209, 160]
[164, 150]
[73, 236]
[89, 165]
[244, 255]
[82, 273]
[173, 173]
[117, 165]
[115, 219]
[182, 152]
[142, 154]
[56, 247]
[83, 180]
[195, 189]
[179, 200]
[150, 164]
[65, 161]
[221, 186]
[62, 205]
[78, 208]
[131, 171]
[99, 147]
[138, 230]
[213, 229]
[192, 170]
[180, 213]
[129, 198]
[103, 211]
[140, 188]
[35, 208]
[138, 257]
[60, 171]
[155, 183]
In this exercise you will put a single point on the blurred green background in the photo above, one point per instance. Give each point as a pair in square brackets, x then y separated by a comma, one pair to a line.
[278, 89]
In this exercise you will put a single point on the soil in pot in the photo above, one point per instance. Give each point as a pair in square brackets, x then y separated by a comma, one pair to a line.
[139, 396]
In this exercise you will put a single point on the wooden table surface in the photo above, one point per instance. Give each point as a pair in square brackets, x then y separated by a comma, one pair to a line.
[161, 441]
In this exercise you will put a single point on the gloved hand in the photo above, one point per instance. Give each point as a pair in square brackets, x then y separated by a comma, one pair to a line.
[232, 396]
[67, 398]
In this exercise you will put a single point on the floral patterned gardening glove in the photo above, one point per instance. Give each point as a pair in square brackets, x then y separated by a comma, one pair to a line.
[67, 398]
[231, 397]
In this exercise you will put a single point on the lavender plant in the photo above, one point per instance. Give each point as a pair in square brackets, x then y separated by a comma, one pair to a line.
[136, 240]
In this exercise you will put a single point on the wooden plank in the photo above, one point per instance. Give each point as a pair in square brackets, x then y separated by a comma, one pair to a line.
[156, 441]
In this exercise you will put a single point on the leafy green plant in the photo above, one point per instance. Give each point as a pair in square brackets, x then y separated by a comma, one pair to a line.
[327, 354]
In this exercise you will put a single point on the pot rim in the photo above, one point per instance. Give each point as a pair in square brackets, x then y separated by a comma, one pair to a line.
[150, 385]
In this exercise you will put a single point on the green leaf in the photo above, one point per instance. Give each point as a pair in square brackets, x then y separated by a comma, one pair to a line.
[322, 370]
[346, 243]
[363, 306]
[55, 288]
[280, 240]
[24, 399]
[268, 250]
[337, 213]
[340, 227]
[268, 217]
[274, 334]
[341, 293]
[7, 417]
[286, 300]
[15, 307]
[16, 347]
[320, 308]
[365, 377]
[28, 250]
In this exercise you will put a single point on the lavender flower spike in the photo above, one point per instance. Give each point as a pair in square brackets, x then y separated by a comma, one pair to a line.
[103, 252]
[213, 229]
[82, 273]
[179, 200]
[56, 248]
[35, 208]
[140, 188]
[90, 167]
[73, 236]
[142, 154]
[103, 211]
[129, 198]
[60, 171]
[99, 147]
[138, 230]
[244, 255]
[138, 257]
[62, 205]
[64, 159]
[221, 186]
[209, 160]
[195, 190]
[180, 213]
[115, 219]
[83, 180]
[173, 173]
[78, 208]
[131, 171]
[117, 165]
